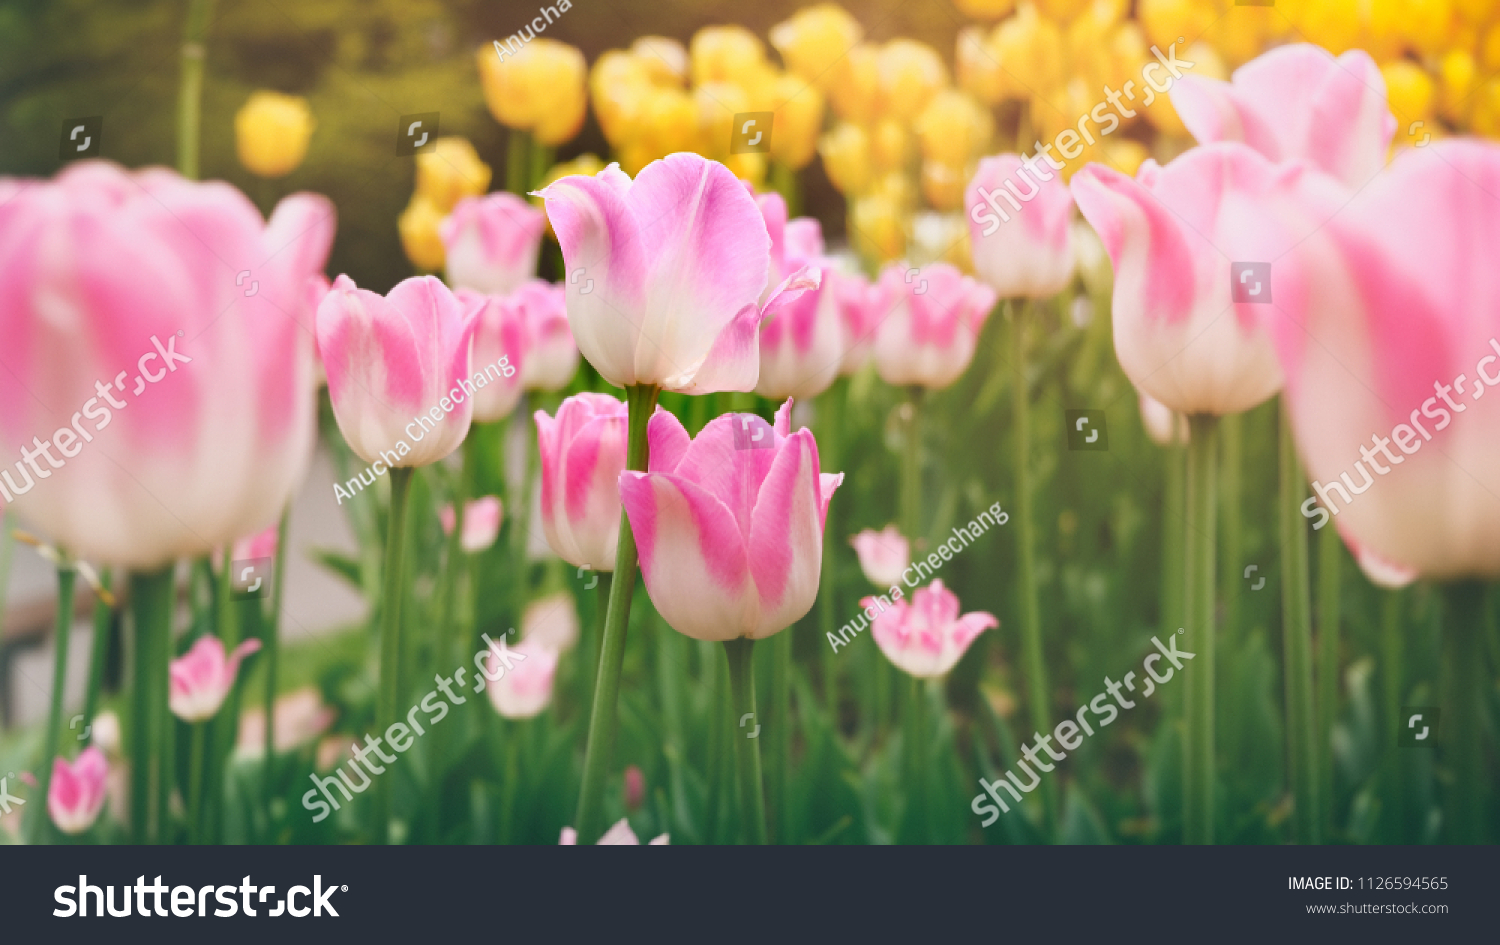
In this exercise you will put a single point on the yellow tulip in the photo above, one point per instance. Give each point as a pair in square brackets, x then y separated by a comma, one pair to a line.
[1125, 155]
[877, 228]
[1457, 74]
[896, 187]
[846, 158]
[715, 104]
[943, 184]
[618, 85]
[1486, 116]
[954, 128]
[910, 74]
[1030, 50]
[798, 107]
[666, 123]
[1489, 50]
[747, 165]
[725, 54]
[815, 41]
[418, 225]
[985, 9]
[1409, 91]
[1427, 24]
[855, 97]
[271, 131]
[663, 59]
[978, 66]
[1332, 24]
[539, 88]
[1166, 20]
[1062, 11]
[889, 145]
[451, 172]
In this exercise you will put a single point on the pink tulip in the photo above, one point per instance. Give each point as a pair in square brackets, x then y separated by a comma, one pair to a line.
[666, 273]
[551, 357]
[525, 689]
[500, 331]
[77, 792]
[392, 363]
[301, 718]
[201, 677]
[491, 243]
[260, 545]
[551, 621]
[1020, 231]
[635, 788]
[482, 519]
[861, 309]
[883, 555]
[800, 346]
[619, 835]
[583, 453]
[153, 366]
[933, 319]
[926, 637]
[1390, 348]
[1173, 233]
[1297, 102]
[730, 525]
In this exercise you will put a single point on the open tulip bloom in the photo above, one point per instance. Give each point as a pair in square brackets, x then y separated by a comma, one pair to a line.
[201, 677]
[77, 791]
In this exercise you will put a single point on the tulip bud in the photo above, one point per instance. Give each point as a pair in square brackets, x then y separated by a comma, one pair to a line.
[883, 555]
[1021, 250]
[978, 66]
[889, 145]
[664, 60]
[815, 41]
[203, 676]
[551, 621]
[926, 637]
[618, 84]
[77, 792]
[451, 172]
[855, 97]
[910, 74]
[954, 128]
[1457, 75]
[846, 158]
[271, 131]
[717, 103]
[669, 124]
[583, 453]
[501, 332]
[879, 227]
[491, 242]
[551, 356]
[538, 88]
[799, 116]
[929, 335]
[1030, 50]
[482, 519]
[420, 226]
[524, 689]
[635, 788]
[725, 54]
[943, 185]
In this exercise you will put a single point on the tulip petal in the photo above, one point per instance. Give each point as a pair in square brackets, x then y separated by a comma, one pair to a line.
[786, 536]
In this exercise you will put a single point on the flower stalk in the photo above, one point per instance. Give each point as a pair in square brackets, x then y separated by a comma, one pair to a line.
[1296, 610]
[747, 748]
[1198, 606]
[390, 631]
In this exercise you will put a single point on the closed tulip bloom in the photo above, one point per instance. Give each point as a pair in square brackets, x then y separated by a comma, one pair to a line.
[846, 158]
[815, 41]
[860, 311]
[665, 272]
[77, 792]
[726, 54]
[730, 531]
[271, 132]
[798, 111]
[482, 518]
[911, 73]
[1020, 249]
[500, 331]
[925, 637]
[123, 324]
[883, 555]
[420, 227]
[977, 66]
[538, 87]
[1390, 350]
[451, 172]
[800, 346]
[635, 788]
[856, 97]
[491, 242]
[583, 453]
[618, 82]
[203, 676]
[551, 356]
[933, 324]
[1171, 233]
[301, 718]
[551, 621]
[1297, 102]
[392, 358]
[954, 128]
[879, 224]
[664, 59]
[526, 688]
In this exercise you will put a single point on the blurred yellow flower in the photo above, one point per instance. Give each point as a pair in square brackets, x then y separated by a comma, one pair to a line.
[910, 74]
[1486, 115]
[877, 228]
[846, 158]
[1332, 24]
[978, 66]
[1030, 50]
[1409, 90]
[1125, 155]
[1475, 11]
[585, 165]
[450, 172]
[726, 54]
[271, 132]
[943, 184]
[666, 123]
[664, 60]
[1206, 63]
[798, 119]
[854, 97]
[815, 41]
[540, 88]
[985, 9]
[747, 165]
[715, 105]
[889, 145]
[1062, 10]
[1457, 74]
[1489, 50]
[954, 128]
[1166, 20]
[1427, 25]
[618, 83]
[418, 224]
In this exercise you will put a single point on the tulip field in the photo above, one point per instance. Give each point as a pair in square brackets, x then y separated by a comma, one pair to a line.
[986, 422]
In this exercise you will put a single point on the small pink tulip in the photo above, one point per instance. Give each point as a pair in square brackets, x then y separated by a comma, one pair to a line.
[933, 322]
[730, 524]
[482, 519]
[551, 621]
[1297, 102]
[800, 345]
[301, 718]
[201, 677]
[883, 555]
[635, 788]
[77, 792]
[666, 274]
[260, 545]
[619, 835]
[551, 357]
[583, 454]
[1173, 234]
[391, 363]
[500, 331]
[926, 637]
[1020, 227]
[491, 243]
[526, 688]
[861, 308]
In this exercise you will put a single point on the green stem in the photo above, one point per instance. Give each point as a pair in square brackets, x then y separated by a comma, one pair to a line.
[1330, 560]
[911, 471]
[190, 92]
[1231, 449]
[541, 163]
[831, 414]
[67, 575]
[390, 633]
[196, 762]
[781, 733]
[271, 650]
[449, 619]
[640, 402]
[1296, 631]
[601, 612]
[1392, 657]
[1198, 609]
[747, 749]
[784, 181]
[1030, 606]
[916, 738]
[517, 160]
[151, 610]
[1463, 638]
[99, 653]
